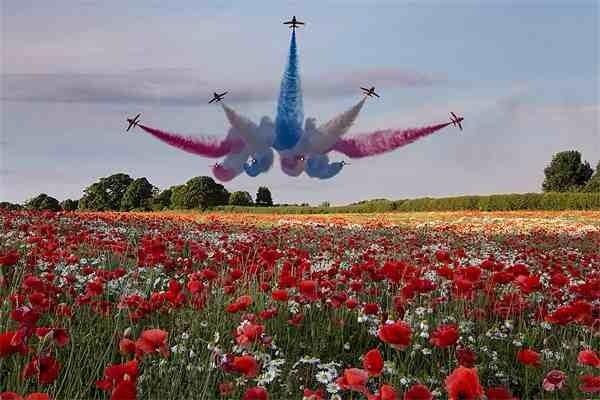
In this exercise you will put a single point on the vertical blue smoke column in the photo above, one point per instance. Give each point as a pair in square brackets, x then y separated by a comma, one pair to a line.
[290, 111]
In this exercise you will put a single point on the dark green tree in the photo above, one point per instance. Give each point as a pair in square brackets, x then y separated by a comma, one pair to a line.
[178, 197]
[566, 172]
[263, 197]
[106, 194]
[199, 192]
[162, 201]
[5, 205]
[203, 192]
[593, 184]
[240, 199]
[69, 205]
[138, 195]
[43, 202]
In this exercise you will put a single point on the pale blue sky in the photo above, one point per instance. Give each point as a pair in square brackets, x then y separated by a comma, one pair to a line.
[524, 74]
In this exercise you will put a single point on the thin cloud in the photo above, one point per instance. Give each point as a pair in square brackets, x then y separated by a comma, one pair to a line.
[185, 87]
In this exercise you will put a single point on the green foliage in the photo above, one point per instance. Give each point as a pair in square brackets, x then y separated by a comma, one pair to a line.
[199, 192]
[566, 172]
[593, 184]
[43, 202]
[138, 195]
[177, 196]
[5, 205]
[240, 199]
[162, 201]
[263, 197]
[106, 194]
[498, 202]
[69, 204]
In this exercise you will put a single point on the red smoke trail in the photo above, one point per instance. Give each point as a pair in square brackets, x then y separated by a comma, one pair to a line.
[383, 141]
[206, 146]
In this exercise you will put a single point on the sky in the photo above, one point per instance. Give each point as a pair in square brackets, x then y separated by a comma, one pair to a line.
[524, 74]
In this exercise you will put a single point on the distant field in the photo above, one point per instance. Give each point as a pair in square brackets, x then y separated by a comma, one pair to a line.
[474, 218]
[496, 202]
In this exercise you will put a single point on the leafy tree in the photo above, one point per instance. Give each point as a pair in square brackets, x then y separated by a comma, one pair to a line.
[566, 172]
[43, 202]
[5, 205]
[94, 198]
[106, 194]
[263, 197]
[138, 195]
[240, 199]
[593, 184]
[69, 205]
[162, 200]
[178, 196]
[199, 192]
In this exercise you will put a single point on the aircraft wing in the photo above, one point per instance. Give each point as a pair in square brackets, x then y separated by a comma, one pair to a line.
[376, 95]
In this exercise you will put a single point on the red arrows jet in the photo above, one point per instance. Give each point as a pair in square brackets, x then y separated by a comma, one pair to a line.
[370, 92]
[217, 97]
[133, 122]
[293, 23]
[456, 120]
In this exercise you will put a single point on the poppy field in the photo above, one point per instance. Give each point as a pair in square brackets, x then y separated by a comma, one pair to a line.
[413, 306]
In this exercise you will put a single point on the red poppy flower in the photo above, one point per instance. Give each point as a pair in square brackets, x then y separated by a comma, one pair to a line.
[554, 380]
[124, 390]
[466, 357]
[256, 393]
[588, 357]
[44, 367]
[418, 392]
[226, 388]
[373, 362]
[444, 335]
[37, 396]
[499, 393]
[463, 384]
[248, 333]
[279, 295]
[127, 346]
[116, 378]
[245, 365]
[529, 357]
[8, 345]
[590, 384]
[353, 379]
[240, 304]
[371, 309]
[152, 341]
[396, 334]
[308, 289]
[59, 335]
[387, 392]
[10, 396]
[318, 394]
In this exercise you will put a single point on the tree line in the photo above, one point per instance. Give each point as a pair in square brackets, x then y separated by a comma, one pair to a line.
[121, 192]
[566, 174]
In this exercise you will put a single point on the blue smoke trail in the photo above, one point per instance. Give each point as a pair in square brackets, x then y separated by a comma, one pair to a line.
[262, 162]
[290, 110]
[318, 166]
